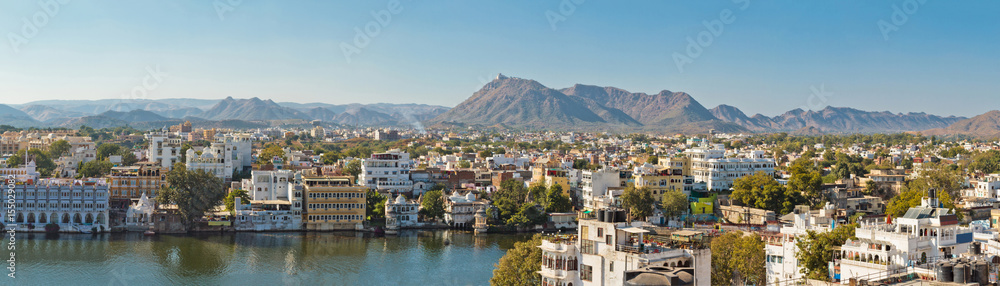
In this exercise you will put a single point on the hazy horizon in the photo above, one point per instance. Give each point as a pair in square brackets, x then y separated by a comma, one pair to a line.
[761, 57]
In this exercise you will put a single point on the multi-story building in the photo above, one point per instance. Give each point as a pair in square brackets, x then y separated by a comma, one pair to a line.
[659, 179]
[275, 201]
[608, 252]
[924, 234]
[210, 163]
[553, 176]
[163, 149]
[333, 202]
[403, 212]
[888, 180]
[75, 205]
[269, 185]
[596, 183]
[709, 165]
[386, 135]
[781, 261]
[988, 187]
[460, 211]
[388, 172]
[128, 184]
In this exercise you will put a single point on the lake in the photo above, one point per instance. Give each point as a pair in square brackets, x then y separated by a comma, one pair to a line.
[442, 257]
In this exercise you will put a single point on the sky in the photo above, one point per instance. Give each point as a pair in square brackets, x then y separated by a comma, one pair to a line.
[762, 57]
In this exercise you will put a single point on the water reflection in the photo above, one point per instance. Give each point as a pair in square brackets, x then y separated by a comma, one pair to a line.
[332, 258]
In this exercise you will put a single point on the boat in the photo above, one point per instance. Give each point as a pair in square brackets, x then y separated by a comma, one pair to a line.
[149, 233]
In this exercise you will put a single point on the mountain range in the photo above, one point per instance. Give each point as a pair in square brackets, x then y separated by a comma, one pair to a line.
[505, 102]
[523, 103]
[228, 112]
[516, 102]
[835, 120]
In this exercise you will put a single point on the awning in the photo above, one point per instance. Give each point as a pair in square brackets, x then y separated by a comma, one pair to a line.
[634, 230]
[587, 212]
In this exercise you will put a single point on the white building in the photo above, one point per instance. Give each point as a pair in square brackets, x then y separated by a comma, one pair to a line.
[24, 173]
[988, 187]
[275, 202]
[210, 163]
[75, 205]
[604, 252]
[404, 212]
[460, 211]
[780, 250]
[709, 165]
[163, 150]
[140, 214]
[596, 183]
[924, 234]
[388, 172]
[269, 185]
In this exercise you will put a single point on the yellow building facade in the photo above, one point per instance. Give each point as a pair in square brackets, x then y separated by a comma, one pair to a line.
[333, 203]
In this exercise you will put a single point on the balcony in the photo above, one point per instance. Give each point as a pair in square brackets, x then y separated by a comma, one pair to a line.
[878, 266]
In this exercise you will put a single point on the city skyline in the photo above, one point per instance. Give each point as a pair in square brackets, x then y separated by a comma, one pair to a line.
[770, 57]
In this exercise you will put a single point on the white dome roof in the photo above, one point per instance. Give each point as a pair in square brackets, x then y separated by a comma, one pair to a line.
[470, 196]
[400, 200]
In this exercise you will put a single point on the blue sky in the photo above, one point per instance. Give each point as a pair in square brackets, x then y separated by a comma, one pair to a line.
[768, 58]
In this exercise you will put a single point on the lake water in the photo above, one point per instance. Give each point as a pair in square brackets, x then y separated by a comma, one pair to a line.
[412, 258]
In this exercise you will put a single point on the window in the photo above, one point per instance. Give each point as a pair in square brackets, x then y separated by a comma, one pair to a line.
[586, 273]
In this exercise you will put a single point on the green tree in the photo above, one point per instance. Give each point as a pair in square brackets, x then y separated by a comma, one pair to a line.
[231, 199]
[107, 149]
[520, 265]
[485, 153]
[464, 164]
[330, 157]
[353, 168]
[653, 159]
[737, 260]
[268, 153]
[816, 250]
[59, 148]
[674, 203]
[806, 179]
[128, 158]
[526, 216]
[985, 162]
[194, 192]
[637, 201]
[376, 205]
[43, 162]
[94, 169]
[557, 201]
[871, 187]
[508, 198]
[538, 192]
[432, 205]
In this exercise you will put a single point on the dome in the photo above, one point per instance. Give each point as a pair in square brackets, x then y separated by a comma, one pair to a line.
[400, 200]
[470, 196]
